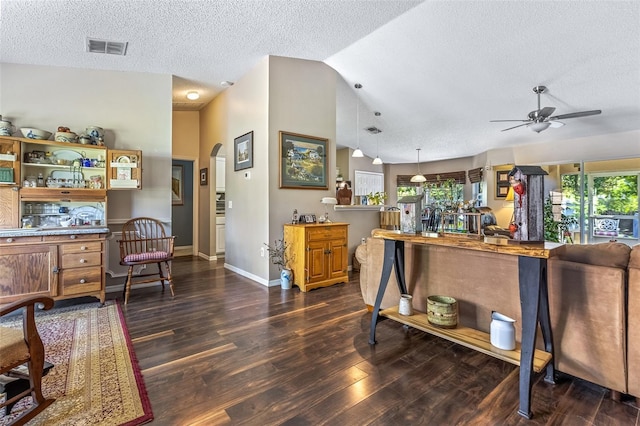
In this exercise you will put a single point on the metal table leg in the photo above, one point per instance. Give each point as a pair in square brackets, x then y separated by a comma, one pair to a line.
[393, 256]
[534, 304]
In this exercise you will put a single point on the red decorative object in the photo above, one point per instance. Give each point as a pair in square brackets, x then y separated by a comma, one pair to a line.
[518, 188]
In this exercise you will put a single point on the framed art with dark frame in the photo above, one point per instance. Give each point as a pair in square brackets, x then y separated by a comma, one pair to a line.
[204, 176]
[303, 161]
[502, 184]
[177, 185]
[243, 152]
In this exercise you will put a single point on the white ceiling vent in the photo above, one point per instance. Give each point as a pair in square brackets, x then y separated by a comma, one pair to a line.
[104, 46]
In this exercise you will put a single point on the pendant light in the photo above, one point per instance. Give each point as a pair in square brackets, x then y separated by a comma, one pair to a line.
[419, 178]
[358, 152]
[377, 161]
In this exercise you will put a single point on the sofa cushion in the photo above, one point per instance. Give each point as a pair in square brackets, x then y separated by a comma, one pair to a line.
[605, 254]
[634, 257]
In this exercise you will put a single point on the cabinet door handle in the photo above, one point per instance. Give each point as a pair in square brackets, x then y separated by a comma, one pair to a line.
[83, 261]
[82, 281]
[55, 270]
[83, 248]
[73, 237]
[9, 240]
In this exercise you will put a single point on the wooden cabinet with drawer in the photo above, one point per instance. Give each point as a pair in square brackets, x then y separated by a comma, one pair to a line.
[318, 254]
[59, 266]
[81, 270]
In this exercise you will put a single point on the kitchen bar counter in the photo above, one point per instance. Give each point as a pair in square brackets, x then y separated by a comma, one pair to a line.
[57, 262]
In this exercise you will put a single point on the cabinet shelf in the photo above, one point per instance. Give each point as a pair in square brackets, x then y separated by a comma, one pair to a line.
[62, 166]
[468, 337]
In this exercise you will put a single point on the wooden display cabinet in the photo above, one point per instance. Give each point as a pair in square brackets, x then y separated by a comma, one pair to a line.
[318, 253]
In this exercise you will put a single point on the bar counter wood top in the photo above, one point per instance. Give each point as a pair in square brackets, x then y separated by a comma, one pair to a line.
[539, 250]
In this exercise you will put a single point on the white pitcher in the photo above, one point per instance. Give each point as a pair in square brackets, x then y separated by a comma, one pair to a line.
[503, 331]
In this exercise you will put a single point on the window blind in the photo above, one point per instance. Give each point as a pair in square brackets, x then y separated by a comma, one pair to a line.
[475, 175]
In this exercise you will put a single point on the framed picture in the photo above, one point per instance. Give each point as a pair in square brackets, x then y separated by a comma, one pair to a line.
[177, 185]
[502, 184]
[303, 161]
[243, 152]
[204, 176]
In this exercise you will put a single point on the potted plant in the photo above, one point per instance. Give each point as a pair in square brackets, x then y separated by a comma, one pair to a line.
[279, 256]
[376, 198]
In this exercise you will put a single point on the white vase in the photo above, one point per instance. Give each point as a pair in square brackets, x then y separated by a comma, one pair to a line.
[286, 279]
[503, 331]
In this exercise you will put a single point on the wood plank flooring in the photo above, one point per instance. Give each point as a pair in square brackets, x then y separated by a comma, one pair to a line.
[228, 351]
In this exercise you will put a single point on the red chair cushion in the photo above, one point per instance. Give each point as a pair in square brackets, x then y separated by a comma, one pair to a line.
[141, 257]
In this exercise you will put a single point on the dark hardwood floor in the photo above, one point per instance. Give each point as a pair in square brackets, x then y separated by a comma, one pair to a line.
[227, 350]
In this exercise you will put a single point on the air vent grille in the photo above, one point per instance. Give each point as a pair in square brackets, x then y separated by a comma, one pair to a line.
[373, 130]
[105, 46]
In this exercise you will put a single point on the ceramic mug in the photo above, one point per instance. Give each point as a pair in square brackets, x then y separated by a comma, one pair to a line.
[6, 128]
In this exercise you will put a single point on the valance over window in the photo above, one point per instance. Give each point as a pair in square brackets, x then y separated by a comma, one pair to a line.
[458, 177]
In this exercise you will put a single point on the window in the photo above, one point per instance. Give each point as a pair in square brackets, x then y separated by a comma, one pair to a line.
[610, 196]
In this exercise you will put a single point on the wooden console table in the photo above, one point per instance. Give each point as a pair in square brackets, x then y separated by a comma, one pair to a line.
[532, 277]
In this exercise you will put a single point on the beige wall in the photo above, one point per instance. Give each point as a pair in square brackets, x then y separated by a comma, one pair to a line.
[185, 134]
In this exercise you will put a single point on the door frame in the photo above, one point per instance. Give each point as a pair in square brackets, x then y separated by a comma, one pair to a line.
[196, 199]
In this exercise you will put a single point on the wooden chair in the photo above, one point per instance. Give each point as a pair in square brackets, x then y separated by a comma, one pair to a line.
[144, 242]
[24, 346]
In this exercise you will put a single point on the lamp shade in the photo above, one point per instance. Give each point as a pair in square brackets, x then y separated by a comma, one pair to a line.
[418, 179]
[357, 153]
[510, 196]
[377, 161]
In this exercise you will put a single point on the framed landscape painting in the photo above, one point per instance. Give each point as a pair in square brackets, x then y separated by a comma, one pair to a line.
[303, 161]
[243, 152]
[177, 185]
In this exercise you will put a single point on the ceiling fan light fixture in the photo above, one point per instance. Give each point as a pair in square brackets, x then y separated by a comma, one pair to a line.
[193, 95]
[539, 126]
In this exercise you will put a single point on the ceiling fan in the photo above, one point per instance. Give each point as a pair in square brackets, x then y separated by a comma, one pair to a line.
[540, 119]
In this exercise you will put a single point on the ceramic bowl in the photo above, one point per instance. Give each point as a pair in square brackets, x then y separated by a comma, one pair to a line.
[66, 137]
[31, 133]
[95, 132]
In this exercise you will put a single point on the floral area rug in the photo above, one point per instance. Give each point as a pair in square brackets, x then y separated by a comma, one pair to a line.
[96, 378]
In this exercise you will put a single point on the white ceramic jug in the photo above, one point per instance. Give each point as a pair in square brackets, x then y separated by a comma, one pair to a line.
[503, 331]
[405, 307]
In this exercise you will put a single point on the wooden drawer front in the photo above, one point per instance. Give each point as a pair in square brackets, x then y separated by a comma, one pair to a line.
[81, 247]
[326, 233]
[80, 260]
[74, 237]
[6, 241]
[81, 280]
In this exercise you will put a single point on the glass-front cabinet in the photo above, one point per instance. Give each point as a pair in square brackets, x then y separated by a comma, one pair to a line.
[45, 183]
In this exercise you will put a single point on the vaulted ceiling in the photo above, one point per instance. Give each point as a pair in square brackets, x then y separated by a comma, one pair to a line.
[438, 71]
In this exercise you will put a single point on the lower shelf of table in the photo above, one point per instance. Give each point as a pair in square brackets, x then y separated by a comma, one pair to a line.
[469, 337]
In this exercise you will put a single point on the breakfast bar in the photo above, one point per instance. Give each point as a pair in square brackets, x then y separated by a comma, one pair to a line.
[532, 279]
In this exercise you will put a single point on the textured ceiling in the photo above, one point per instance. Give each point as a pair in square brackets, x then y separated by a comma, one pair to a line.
[437, 70]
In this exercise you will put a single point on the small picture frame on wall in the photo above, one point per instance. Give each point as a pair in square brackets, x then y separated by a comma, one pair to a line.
[502, 184]
[243, 152]
[204, 176]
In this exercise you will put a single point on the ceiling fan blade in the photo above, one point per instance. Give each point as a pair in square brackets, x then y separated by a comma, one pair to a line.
[519, 125]
[576, 114]
[501, 121]
[546, 112]
[555, 123]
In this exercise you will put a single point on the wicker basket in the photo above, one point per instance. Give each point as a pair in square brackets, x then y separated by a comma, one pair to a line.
[442, 311]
